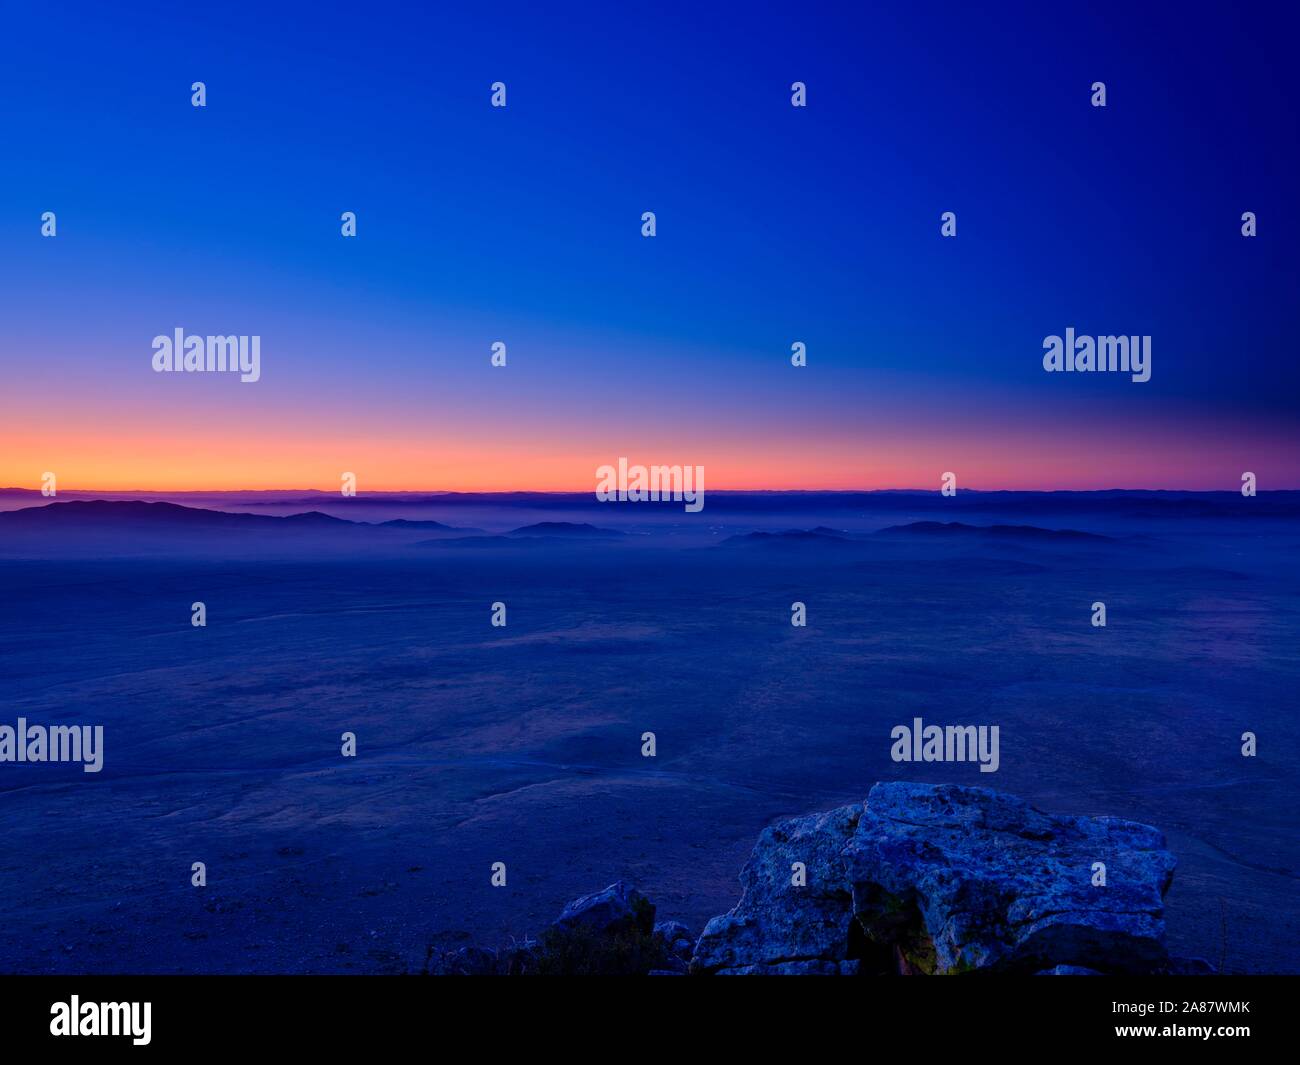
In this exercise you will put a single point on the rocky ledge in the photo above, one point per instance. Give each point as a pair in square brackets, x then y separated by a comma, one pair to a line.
[920, 879]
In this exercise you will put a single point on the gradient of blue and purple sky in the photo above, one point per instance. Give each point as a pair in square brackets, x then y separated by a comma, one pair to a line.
[775, 224]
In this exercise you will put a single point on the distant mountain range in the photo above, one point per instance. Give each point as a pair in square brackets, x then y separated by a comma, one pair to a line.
[946, 530]
[993, 532]
[105, 528]
[104, 513]
[1120, 503]
[566, 529]
[789, 536]
[138, 526]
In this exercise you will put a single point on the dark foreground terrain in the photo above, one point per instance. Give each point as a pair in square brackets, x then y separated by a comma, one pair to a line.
[523, 744]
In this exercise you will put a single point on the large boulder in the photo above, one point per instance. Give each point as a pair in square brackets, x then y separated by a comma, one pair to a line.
[966, 878]
[929, 879]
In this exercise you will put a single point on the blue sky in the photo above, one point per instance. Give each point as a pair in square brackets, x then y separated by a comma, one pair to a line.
[774, 224]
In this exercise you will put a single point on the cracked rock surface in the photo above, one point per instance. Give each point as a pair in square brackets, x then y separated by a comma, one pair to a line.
[933, 879]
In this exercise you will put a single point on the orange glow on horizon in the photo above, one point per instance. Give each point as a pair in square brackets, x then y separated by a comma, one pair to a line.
[118, 454]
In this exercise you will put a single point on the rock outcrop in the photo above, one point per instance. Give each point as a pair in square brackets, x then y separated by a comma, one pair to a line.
[935, 879]
[920, 879]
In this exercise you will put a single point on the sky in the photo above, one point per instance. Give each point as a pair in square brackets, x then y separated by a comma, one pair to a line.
[522, 224]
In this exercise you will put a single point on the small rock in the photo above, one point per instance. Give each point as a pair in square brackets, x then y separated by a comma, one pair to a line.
[605, 912]
[676, 937]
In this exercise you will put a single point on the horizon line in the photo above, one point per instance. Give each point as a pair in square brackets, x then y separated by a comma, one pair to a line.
[334, 493]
